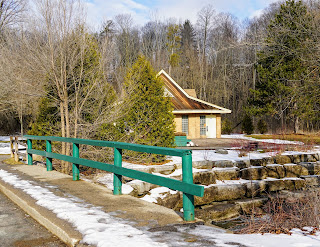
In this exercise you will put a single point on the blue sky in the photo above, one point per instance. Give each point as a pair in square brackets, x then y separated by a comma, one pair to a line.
[144, 10]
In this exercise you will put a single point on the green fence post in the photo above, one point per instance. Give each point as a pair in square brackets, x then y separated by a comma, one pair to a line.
[188, 200]
[48, 160]
[29, 145]
[117, 179]
[75, 167]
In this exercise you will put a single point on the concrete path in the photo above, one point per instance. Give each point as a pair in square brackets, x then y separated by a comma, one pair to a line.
[161, 224]
[20, 230]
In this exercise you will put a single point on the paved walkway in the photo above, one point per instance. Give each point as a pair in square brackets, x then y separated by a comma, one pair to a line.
[20, 230]
[160, 224]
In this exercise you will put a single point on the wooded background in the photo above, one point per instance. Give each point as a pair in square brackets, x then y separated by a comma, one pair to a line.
[53, 68]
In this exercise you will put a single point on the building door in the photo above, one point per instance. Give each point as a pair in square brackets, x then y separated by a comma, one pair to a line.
[211, 124]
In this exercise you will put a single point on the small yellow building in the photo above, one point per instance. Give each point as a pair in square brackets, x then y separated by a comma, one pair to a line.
[195, 117]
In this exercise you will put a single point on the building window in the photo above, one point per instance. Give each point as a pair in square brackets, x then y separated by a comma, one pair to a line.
[185, 124]
[203, 128]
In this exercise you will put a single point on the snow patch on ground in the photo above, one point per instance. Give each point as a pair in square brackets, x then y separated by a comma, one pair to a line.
[275, 141]
[297, 239]
[97, 227]
[107, 180]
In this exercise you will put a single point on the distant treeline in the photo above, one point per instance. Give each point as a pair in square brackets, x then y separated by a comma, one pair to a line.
[53, 67]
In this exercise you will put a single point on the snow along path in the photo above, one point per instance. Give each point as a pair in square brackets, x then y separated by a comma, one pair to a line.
[98, 228]
[102, 229]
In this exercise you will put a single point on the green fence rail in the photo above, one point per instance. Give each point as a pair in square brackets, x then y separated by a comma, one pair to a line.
[186, 185]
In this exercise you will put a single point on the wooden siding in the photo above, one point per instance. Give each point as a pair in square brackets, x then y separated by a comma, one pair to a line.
[218, 129]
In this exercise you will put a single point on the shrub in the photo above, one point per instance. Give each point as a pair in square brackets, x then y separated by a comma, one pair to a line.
[286, 213]
[247, 125]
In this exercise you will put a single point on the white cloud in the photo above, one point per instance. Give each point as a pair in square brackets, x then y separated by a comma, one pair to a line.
[256, 13]
[99, 10]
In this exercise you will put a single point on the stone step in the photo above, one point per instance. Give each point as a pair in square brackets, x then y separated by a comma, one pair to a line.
[280, 171]
[221, 211]
[230, 173]
[241, 193]
[218, 212]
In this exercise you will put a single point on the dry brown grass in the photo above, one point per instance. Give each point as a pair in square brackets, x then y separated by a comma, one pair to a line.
[11, 161]
[284, 214]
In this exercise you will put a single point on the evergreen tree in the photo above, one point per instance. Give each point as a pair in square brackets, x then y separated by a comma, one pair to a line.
[247, 125]
[150, 119]
[281, 68]
[187, 35]
[173, 44]
[262, 126]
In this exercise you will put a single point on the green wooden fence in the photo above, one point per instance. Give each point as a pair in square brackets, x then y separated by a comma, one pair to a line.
[186, 185]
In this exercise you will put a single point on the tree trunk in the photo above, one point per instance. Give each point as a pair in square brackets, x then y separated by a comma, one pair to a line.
[68, 166]
[296, 125]
[63, 131]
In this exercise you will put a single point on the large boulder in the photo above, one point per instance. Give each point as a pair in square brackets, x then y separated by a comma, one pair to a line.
[282, 159]
[140, 187]
[205, 178]
[313, 167]
[223, 163]
[218, 212]
[285, 184]
[204, 164]
[165, 169]
[294, 170]
[311, 158]
[241, 164]
[231, 173]
[311, 180]
[173, 201]
[221, 192]
[249, 205]
[255, 188]
[317, 168]
[275, 171]
[275, 185]
[254, 173]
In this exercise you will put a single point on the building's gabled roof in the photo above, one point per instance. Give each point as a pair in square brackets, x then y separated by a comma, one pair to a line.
[185, 103]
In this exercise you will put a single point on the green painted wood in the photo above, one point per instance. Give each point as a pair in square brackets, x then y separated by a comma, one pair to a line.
[173, 184]
[181, 141]
[119, 145]
[48, 160]
[117, 178]
[29, 145]
[188, 199]
[75, 166]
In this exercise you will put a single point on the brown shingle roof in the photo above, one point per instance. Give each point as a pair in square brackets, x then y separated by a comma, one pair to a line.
[182, 100]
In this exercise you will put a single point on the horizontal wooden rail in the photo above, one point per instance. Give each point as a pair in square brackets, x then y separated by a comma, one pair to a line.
[186, 185]
[174, 184]
[120, 145]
